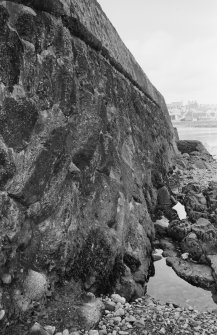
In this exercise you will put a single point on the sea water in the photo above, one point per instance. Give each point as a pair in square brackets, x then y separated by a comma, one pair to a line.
[208, 136]
[166, 286]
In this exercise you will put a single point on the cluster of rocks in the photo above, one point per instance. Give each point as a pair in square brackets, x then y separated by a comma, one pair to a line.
[195, 185]
[144, 316]
[147, 316]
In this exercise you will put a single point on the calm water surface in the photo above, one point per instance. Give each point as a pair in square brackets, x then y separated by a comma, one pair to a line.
[208, 136]
[168, 287]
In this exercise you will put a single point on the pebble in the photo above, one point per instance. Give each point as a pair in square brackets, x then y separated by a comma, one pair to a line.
[50, 329]
[6, 278]
[118, 299]
[93, 332]
[2, 314]
[148, 316]
[120, 312]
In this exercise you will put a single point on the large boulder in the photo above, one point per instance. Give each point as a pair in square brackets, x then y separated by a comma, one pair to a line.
[194, 198]
[189, 146]
[178, 230]
[191, 244]
[196, 274]
[200, 240]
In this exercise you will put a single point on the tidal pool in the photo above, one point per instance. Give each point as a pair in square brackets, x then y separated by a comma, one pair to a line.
[168, 287]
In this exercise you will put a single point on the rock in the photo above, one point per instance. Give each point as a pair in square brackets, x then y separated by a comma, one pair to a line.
[132, 261]
[117, 298]
[35, 285]
[201, 241]
[166, 244]
[22, 302]
[191, 245]
[161, 227]
[6, 278]
[156, 257]
[169, 253]
[90, 313]
[2, 314]
[51, 330]
[117, 319]
[66, 332]
[109, 305]
[213, 263]
[93, 332]
[185, 255]
[37, 329]
[189, 146]
[196, 274]
[140, 276]
[179, 229]
[194, 198]
[130, 319]
[119, 312]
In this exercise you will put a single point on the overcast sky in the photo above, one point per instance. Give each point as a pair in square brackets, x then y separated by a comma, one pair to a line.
[174, 41]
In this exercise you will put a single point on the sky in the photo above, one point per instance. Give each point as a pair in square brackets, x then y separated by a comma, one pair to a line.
[174, 41]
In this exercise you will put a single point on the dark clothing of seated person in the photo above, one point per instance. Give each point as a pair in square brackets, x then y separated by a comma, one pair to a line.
[165, 202]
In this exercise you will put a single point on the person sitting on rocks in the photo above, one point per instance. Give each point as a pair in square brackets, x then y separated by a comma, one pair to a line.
[165, 202]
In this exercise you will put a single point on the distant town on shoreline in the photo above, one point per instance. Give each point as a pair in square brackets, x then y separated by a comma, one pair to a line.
[193, 113]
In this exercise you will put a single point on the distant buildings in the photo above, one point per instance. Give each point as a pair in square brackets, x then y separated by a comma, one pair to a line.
[192, 111]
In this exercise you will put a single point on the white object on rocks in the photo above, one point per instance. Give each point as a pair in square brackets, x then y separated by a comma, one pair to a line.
[180, 209]
[163, 222]
[185, 255]
[117, 298]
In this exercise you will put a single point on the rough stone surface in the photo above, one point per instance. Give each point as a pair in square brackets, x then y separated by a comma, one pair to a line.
[81, 130]
[35, 285]
[189, 146]
[179, 229]
[196, 274]
[90, 313]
